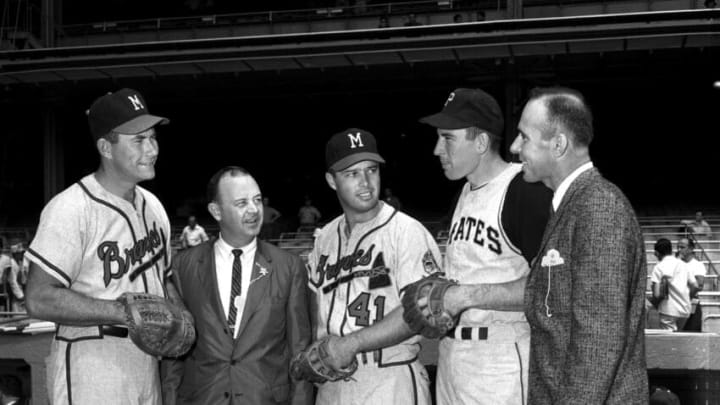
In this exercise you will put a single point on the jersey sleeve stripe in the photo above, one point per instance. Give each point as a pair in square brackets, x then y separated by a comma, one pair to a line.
[51, 266]
[103, 202]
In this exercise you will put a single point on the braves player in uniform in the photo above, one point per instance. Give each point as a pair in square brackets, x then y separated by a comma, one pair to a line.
[495, 232]
[97, 239]
[360, 262]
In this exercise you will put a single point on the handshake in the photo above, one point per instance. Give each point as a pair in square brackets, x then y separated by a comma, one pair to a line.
[332, 358]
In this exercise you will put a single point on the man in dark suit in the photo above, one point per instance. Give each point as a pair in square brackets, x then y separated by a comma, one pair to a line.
[584, 298]
[250, 302]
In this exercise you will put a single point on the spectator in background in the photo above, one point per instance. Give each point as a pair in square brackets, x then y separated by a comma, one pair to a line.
[270, 227]
[13, 275]
[457, 18]
[686, 253]
[700, 227]
[308, 215]
[480, 16]
[193, 234]
[391, 199]
[18, 276]
[412, 21]
[383, 22]
[674, 309]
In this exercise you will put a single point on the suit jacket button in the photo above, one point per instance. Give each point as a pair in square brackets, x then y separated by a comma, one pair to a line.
[232, 363]
[227, 395]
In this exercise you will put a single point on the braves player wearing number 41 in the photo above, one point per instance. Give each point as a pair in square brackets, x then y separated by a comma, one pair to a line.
[495, 233]
[360, 262]
[99, 238]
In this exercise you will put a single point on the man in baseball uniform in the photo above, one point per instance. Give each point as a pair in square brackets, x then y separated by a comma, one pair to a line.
[495, 233]
[360, 262]
[99, 238]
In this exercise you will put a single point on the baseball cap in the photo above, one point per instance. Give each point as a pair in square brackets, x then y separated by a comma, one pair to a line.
[466, 108]
[350, 146]
[123, 111]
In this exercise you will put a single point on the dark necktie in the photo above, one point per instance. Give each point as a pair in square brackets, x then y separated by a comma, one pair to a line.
[235, 290]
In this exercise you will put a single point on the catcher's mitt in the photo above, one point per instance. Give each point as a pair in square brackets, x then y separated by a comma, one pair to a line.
[312, 364]
[157, 326]
[431, 320]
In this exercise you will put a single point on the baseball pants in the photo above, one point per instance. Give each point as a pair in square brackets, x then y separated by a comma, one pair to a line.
[484, 365]
[102, 370]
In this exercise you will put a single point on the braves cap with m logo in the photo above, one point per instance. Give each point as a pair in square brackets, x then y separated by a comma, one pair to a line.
[124, 112]
[350, 146]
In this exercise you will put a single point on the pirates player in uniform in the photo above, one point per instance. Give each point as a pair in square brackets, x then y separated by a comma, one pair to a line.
[495, 233]
[360, 262]
[99, 238]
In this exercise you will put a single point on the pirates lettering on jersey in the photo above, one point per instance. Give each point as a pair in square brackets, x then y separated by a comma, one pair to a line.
[109, 253]
[474, 229]
[378, 273]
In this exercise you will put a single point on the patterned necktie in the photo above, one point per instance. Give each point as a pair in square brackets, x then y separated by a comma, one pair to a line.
[235, 290]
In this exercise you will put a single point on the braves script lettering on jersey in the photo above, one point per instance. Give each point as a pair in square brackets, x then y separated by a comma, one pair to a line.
[357, 279]
[100, 245]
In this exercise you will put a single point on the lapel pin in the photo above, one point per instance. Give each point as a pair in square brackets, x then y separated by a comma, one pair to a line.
[263, 272]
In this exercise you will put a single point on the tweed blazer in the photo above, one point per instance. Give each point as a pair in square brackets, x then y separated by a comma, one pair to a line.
[585, 301]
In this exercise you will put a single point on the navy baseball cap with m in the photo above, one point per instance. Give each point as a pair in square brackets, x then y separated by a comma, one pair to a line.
[467, 108]
[124, 112]
[350, 146]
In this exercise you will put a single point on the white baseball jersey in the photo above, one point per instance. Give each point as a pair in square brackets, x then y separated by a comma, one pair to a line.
[478, 250]
[100, 245]
[357, 277]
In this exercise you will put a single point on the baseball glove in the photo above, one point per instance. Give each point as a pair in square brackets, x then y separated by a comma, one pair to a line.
[431, 319]
[312, 364]
[157, 326]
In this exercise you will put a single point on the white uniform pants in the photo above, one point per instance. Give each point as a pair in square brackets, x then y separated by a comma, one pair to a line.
[492, 371]
[107, 371]
[373, 385]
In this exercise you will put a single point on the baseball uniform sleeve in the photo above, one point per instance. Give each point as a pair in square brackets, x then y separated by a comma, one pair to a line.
[525, 213]
[417, 254]
[58, 245]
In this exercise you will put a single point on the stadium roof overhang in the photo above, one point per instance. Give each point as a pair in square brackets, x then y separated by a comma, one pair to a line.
[457, 43]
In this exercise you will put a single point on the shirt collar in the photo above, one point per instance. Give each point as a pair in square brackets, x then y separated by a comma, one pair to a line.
[565, 184]
[226, 250]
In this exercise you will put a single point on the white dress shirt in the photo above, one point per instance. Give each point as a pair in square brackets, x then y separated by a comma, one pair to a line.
[565, 184]
[223, 268]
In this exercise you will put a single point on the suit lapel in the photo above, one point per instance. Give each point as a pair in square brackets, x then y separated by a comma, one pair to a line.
[208, 280]
[579, 183]
[259, 285]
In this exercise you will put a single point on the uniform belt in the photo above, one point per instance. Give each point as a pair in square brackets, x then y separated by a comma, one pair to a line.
[116, 331]
[468, 333]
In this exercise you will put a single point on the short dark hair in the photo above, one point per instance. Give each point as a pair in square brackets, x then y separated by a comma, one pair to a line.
[663, 246]
[212, 187]
[568, 110]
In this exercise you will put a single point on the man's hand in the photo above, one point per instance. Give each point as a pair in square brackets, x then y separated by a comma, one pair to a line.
[341, 351]
[319, 363]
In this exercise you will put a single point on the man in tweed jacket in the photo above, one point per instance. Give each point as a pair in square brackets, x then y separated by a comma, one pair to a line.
[584, 298]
